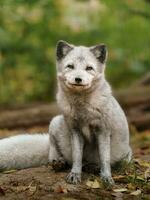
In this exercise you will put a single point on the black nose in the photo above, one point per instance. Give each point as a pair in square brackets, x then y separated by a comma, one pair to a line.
[78, 80]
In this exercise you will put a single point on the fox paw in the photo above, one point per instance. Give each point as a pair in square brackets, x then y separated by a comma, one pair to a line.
[107, 180]
[73, 178]
[59, 165]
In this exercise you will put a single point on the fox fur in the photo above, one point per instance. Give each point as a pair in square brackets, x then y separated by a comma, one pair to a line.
[92, 127]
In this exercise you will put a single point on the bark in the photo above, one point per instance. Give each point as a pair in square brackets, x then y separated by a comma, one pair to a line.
[135, 102]
[28, 116]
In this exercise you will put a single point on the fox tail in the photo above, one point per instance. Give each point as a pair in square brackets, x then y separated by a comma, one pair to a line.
[23, 151]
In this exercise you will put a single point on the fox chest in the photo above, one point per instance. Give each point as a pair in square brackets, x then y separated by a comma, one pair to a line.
[85, 114]
[82, 115]
[87, 121]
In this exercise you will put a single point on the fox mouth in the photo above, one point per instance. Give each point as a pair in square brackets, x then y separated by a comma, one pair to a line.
[77, 86]
[73, 84]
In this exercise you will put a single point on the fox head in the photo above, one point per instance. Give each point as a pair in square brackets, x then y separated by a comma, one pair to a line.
[79, 68]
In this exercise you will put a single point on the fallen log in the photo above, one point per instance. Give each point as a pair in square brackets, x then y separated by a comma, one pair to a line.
[134, 97]
[28, 116]
[135, 102]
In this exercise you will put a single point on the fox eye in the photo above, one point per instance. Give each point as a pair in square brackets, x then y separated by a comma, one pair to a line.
[70, 66]
[89, 68]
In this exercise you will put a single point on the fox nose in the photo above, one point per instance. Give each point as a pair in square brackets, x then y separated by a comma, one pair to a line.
[78, 80]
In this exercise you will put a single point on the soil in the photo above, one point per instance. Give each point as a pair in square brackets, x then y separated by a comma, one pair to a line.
[43, 183]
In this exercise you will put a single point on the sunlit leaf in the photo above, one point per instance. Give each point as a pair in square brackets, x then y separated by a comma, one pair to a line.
[61, 189]
[142, 163]
[135, 193]
[94, 184]
[130, 186]
[9, 171]
[120, 190]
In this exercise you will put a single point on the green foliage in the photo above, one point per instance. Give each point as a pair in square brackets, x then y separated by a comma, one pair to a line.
[29, 31]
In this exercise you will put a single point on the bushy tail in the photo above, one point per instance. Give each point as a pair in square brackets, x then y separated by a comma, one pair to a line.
[24, 151]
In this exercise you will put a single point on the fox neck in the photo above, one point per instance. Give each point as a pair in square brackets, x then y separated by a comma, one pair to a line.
[68, 99]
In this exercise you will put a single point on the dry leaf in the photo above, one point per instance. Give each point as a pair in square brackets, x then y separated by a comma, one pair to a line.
[2, 192]
[117, 194]
[9, 171]
[61, 189]
[147, 174]
[142, 163]
[120, 190]
[135, 193]
[32, 190]
[138, 178]
[130, 186]
[119, 177]
[93, 184]
[21, 188]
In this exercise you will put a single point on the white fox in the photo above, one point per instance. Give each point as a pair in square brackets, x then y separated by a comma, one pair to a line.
[92, 128]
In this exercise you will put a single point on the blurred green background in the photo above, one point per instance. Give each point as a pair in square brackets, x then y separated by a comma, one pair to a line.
[29, 30]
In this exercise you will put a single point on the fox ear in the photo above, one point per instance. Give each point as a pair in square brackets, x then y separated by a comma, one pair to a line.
[100, 52]
[62, 49]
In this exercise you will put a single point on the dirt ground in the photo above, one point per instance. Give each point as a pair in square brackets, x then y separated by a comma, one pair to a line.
[43, 183]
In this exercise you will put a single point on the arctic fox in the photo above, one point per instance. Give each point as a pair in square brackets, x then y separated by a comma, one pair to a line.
[92, 128]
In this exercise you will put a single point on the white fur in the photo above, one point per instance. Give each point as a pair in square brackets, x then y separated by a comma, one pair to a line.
[24, 151]
[92, 127]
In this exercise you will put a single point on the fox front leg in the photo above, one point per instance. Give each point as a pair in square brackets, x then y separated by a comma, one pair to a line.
[104, 153]
[77, 143]
[55, 158]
